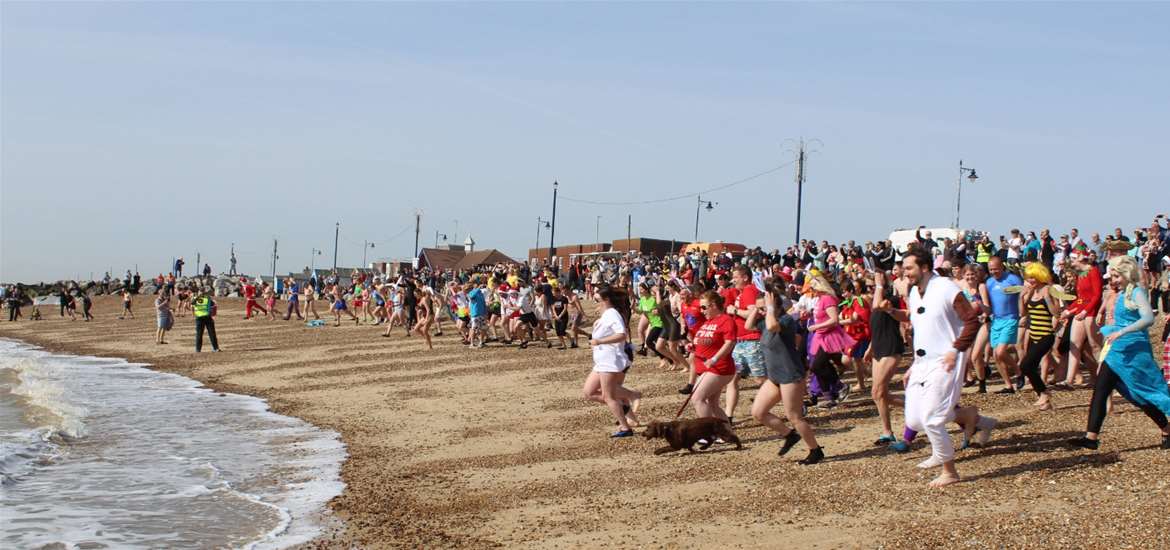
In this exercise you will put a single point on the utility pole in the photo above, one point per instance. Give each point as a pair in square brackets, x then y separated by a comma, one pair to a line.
[336, 233]
[199, 259]
[799, 186]
[597, 231]
[629, 223]
[417, 224]
[274, 257]
[552, 236]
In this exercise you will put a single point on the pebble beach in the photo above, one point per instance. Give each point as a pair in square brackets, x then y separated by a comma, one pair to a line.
[495, 447]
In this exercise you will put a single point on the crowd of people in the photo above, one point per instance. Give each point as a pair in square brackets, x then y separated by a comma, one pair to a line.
[1047, 313]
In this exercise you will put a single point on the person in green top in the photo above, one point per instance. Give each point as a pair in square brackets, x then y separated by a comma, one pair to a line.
[648, 307]
[204, 310]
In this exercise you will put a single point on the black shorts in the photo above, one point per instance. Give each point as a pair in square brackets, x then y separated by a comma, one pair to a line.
[885, 338]
[562, 327]
[528, 319]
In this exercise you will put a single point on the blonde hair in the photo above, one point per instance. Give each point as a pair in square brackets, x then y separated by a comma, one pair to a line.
[819, 283]
[1037, 271]
[1128, 269]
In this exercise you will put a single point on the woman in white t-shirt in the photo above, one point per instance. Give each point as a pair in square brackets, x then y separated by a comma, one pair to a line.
[611, 360]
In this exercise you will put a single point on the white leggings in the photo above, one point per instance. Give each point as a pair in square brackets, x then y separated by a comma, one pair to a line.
[930, 405]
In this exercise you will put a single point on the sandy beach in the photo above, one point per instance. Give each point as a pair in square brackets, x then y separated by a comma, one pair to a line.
[495, 447]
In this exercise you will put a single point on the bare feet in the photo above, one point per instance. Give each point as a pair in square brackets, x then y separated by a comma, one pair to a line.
[943, 480]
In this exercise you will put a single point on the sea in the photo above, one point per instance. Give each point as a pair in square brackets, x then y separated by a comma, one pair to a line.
[104, 453]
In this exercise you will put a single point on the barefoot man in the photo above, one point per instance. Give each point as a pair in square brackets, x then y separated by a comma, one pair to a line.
[945, 325]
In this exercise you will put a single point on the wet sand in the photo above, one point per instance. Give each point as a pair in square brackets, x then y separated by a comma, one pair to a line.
[494, 447]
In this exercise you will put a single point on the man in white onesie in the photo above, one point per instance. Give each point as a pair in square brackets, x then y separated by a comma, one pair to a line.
[945, 325]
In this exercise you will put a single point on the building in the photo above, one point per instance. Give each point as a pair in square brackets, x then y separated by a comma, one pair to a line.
[640, 245]
[461, 257]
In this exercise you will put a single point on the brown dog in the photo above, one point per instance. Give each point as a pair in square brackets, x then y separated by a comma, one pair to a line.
[684, 434]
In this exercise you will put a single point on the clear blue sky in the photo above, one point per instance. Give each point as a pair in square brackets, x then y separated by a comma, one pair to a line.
[134, 132]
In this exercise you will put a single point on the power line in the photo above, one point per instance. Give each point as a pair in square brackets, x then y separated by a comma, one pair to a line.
[686, 195]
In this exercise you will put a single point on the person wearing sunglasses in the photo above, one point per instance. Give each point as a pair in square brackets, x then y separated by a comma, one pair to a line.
[713, 363]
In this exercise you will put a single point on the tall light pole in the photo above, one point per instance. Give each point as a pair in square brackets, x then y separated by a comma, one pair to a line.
[597, 231]
[540, 222]
[552, 234]
[366, 247]
[437, 238]
[959, 189]
[698, 206]
[313, 260]
[455, 237]
[336, 233]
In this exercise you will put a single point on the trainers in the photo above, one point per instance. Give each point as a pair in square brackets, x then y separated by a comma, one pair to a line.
[623, 433]
[814, 456]
[844, 393]
[790, 439]
[687, 389]
[1006, 391]
[899, 447]
[885, 440]
[1165, 438]
[1093, 444]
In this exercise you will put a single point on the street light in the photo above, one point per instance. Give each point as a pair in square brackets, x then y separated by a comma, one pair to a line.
[437, 234]
[698, 206]
[456, 237]
[313, 261]
[597, 231]
[959, 188]
[540, 222]
[368, 245]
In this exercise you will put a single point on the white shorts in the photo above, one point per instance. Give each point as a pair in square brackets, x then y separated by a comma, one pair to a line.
[598, 367]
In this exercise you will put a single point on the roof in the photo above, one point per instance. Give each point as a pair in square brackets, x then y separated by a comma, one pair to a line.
[458, 259]
[490, 256]
[440, 259]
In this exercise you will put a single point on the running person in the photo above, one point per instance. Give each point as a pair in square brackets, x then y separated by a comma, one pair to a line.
[944, 326]
[612, 360]
[784, 377]
[1003, 288]
[886, 349]
[1129, 365]
[1042, 316]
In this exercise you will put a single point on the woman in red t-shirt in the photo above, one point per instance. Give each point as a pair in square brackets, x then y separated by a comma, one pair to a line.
[713, 364]
[1085, 336]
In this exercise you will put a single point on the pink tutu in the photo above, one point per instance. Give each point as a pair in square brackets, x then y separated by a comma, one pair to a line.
[834, 340]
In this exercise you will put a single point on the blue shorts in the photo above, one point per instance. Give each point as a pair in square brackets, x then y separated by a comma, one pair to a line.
[859, 349]
[1003, 331]
[749, 358]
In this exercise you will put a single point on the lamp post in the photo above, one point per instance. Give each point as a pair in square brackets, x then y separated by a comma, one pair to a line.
[540, 222]
[437, 234]
[313, 261]
[336, 234]
[959, 189]
[552, 233]
[597, 231]
[365, 247]
[455, 236]
[699, 206]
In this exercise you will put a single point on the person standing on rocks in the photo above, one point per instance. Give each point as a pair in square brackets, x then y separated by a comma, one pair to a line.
[204, 310]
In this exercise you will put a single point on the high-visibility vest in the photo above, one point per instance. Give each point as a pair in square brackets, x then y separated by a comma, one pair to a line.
[202, 306]
[982, 253]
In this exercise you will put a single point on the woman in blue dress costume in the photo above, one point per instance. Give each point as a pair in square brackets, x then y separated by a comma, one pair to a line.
[1129, 365]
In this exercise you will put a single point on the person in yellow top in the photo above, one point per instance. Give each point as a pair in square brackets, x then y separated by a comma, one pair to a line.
[204, 310]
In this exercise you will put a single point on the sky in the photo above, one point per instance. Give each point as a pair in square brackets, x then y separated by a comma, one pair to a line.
[131, 133]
